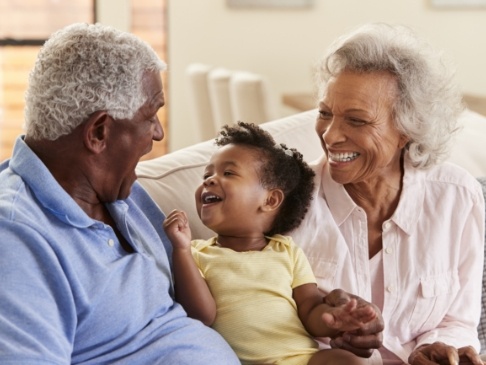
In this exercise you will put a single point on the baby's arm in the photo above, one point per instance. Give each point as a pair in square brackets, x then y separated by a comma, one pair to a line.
[322, 320]
[191, 289]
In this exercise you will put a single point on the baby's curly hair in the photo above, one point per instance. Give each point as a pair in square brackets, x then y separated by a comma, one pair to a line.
[281, 167]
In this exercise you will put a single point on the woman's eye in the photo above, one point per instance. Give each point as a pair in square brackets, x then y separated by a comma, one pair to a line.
[356, 121]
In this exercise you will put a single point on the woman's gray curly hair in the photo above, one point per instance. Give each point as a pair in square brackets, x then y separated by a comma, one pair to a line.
[428, 103]
[84, 68]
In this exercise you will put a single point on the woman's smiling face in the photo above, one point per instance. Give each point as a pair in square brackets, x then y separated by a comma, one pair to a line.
[356, 127]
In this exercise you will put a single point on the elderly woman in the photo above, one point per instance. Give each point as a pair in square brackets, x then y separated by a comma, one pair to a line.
[390, 222]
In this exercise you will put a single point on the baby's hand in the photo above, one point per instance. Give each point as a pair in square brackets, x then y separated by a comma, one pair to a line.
[349, 316]
[176, 226]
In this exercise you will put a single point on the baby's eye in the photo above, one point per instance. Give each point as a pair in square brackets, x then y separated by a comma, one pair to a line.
[228, 173]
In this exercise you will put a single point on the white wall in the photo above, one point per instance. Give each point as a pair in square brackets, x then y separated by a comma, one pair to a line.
[116, 13]
[284, 44]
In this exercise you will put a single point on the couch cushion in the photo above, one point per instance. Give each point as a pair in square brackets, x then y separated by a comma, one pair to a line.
[172, 179]
[468, 148]
[482, 323]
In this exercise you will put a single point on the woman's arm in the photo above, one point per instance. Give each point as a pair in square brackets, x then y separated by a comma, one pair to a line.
[191, 290]
[467, 300]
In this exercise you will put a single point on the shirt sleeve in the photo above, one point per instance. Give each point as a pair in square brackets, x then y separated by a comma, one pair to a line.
[459, 325]
[37, 316]
[196, 246]
[302, 270]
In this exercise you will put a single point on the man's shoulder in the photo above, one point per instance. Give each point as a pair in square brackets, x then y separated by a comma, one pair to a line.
[14, 196]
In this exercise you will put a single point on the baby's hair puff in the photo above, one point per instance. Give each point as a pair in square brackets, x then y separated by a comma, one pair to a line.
[281, 167]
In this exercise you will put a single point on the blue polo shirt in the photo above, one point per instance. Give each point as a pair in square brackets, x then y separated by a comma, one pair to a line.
[69, 293]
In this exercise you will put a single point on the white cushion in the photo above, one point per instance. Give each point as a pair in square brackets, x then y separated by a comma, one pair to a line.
[469, 149]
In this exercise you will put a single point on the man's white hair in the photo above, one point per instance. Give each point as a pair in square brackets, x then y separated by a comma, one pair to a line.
[84, 68]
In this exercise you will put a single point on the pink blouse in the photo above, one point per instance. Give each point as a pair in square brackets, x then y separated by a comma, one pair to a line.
[432, 255]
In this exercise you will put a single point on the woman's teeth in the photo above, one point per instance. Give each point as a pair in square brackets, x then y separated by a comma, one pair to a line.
[343, 157]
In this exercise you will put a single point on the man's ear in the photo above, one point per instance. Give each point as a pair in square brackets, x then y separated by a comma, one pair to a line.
[95, 131]
[274, 199]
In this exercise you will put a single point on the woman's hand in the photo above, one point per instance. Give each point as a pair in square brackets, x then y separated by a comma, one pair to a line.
[363, 341]
[440, 353]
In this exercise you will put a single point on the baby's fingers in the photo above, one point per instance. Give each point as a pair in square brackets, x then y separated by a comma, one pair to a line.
[341, 322]
[364, 314]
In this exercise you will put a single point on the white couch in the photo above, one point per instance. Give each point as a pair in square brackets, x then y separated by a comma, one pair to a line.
[172, 179]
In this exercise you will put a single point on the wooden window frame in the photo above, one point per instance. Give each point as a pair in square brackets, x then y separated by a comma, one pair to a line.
[38, 42]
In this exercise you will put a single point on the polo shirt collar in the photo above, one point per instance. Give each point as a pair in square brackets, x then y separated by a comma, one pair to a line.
[45, 187]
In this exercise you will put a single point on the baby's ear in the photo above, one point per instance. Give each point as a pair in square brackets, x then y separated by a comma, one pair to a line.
[275, 197]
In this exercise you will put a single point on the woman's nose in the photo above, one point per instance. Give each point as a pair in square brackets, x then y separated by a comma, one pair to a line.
[333, 132]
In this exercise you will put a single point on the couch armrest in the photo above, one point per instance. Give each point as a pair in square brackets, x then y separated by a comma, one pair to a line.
[482, 323]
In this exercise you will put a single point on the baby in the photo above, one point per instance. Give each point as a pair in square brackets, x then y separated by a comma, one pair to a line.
[249, 282]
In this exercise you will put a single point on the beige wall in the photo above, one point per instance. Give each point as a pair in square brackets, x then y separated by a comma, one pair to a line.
[115, 13]
[284, 44]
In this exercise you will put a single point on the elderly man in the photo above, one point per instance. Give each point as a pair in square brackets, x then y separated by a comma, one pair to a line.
[85, 263]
